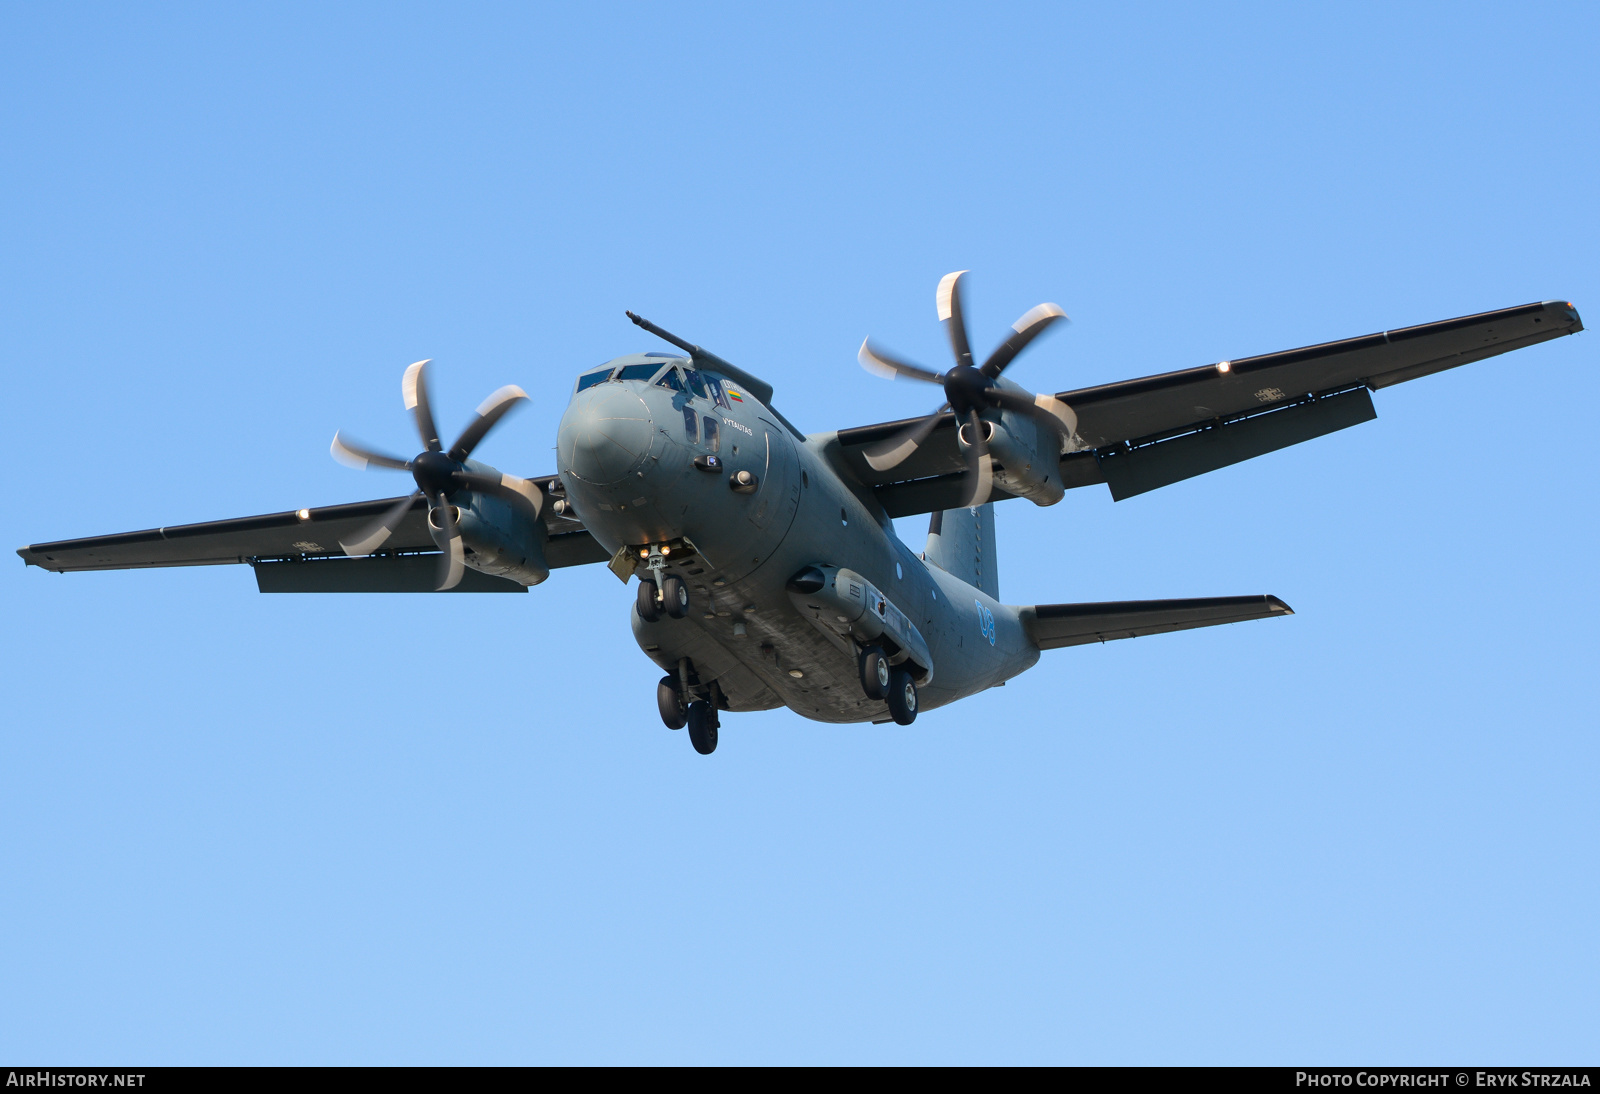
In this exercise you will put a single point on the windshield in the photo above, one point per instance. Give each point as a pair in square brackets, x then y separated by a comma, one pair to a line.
[639, 372]
[589, 379]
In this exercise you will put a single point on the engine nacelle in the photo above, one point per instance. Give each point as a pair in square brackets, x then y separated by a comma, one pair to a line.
[1027, 457]
[498, 538]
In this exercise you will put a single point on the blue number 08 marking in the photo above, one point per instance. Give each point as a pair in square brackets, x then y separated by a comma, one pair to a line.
[985, 621]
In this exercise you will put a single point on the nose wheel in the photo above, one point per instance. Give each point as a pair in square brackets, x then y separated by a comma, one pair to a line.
[670, 597]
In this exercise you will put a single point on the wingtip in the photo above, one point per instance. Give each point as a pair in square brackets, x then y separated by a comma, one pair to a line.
[1278, 607]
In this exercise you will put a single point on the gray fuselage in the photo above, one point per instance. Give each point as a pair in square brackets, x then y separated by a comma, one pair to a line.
[627, 453]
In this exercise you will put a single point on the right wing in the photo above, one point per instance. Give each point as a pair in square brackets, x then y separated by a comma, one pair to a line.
[1052, 626]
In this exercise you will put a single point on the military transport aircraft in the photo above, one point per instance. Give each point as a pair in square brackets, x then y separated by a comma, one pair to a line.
[769, 573]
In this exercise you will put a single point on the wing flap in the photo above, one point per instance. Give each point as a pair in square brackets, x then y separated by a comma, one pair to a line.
[375, 574]
[1053, 626]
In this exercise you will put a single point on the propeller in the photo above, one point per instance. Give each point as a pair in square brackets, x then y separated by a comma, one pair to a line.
[438, 473]
[969, 389]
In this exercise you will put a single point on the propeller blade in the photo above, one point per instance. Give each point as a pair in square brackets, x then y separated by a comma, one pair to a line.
[451, 566]
[490, 411]
[377, 533]
[980, 472]
[893, 452]
[519, 492]
[359, 456]
[1033, 323]
[879, 363]
[954, 317]
[414, 390]
[1045, 409]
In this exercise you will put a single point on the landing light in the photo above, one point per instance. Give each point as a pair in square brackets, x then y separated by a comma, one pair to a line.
[1224, 366]
[797, 674]
[304, 514]
[666, 549]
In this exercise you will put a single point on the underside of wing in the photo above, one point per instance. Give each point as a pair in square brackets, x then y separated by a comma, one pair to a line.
[299, 550]
[1150, 432]
[1052, 626]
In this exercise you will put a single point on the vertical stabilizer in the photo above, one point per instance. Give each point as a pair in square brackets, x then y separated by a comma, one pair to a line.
[961, 542]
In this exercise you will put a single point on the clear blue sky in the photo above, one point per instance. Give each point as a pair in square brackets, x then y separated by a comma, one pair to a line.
[238, 828]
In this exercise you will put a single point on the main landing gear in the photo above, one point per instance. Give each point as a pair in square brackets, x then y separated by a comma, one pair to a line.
[700, 715]
[883, 681]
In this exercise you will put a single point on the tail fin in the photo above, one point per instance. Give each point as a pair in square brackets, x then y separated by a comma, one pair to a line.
[961, 542]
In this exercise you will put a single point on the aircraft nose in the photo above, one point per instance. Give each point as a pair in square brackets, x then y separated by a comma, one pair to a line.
[605, 434]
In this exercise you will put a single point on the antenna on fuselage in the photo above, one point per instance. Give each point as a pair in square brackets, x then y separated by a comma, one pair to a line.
[688, 347]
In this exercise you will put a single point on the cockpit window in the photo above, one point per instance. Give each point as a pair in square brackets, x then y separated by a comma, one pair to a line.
[639, 372]
[709, 426]
[697, 384]
[670, 379]
[716, 392]
[690, 424]
[589, 379]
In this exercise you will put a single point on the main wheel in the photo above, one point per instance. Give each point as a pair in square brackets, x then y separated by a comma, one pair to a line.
[875, 673]
[647, 607]
[702, 727]
[903, 697]
[670, 703]
[675, 596]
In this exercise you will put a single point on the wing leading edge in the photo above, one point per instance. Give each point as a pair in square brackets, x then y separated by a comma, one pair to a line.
[1151, 432]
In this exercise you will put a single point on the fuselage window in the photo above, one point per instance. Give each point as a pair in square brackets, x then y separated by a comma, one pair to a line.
[697, 384]
[589, 379]
[690, 427]
[639, 372]
[710, 428]
[670, 379]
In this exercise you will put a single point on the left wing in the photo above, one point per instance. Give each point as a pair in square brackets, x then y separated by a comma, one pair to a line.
[1142, 434]
[305, 535]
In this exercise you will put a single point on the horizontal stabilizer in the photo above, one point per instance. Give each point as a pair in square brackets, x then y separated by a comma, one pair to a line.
[1052, 626]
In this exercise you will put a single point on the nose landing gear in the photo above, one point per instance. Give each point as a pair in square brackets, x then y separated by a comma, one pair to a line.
[671, 597]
